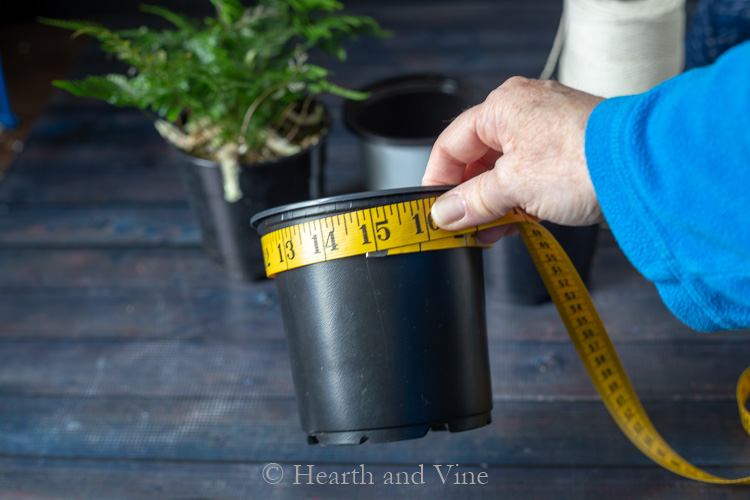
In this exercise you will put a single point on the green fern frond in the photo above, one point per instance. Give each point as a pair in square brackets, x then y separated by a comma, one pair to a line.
[332, 88]
[311, 5]
[178, 20]
[109, 88]
[78, 27]
[229, 11]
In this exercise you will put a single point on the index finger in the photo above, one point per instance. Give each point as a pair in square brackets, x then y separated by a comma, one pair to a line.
[457, 147]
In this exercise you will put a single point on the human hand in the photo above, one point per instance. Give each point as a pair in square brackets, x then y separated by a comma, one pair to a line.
[522, 147]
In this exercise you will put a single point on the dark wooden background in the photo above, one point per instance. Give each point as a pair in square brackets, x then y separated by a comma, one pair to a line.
[131, 369]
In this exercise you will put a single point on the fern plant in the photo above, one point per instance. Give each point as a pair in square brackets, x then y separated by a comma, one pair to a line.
[235, 88]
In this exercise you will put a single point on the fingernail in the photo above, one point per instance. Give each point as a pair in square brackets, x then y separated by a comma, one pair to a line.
[448, 210]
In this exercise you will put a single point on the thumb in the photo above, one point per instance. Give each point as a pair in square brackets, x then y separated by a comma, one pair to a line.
[476, 201]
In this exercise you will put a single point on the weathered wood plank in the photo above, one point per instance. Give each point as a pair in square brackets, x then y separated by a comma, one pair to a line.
[260, 367]
[124, 267]
[168, 314]
[94, 125]
[237, 313]
[97, 225]
[523, 434]
[107, 177]
[24, 479]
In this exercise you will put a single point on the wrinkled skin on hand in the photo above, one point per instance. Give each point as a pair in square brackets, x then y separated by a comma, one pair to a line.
[522, 147]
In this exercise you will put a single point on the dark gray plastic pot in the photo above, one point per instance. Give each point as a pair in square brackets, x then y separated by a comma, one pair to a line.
[225, 226]
[400, 121]
[384, 348]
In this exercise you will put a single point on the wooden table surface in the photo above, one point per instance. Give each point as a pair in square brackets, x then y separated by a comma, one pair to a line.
[131, 368]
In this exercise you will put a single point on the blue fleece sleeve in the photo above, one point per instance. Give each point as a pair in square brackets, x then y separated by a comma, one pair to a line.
[671, 169]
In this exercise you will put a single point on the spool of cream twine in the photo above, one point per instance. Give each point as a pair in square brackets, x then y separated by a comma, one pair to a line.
[618, 47]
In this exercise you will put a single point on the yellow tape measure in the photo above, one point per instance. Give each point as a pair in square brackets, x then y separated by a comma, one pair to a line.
[408, 227]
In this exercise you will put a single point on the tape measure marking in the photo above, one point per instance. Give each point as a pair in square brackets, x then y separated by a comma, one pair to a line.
[407, 227]
[385, 230]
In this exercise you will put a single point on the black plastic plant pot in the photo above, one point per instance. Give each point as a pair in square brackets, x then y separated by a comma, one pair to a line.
[399, 123]
[524, 284]
[384, 348]
[225, 226]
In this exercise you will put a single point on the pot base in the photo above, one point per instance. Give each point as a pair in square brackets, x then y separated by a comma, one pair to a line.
[344, 438]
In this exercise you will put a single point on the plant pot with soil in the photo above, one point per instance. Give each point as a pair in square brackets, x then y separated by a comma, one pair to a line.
[236, 94]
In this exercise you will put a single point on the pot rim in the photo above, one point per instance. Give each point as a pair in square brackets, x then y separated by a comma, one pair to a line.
[388, 87]
[340, 203]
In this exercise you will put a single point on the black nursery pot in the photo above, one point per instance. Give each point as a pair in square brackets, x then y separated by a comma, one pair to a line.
[524, 283]
[400, 121]
[225, 227]
[384, 348]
